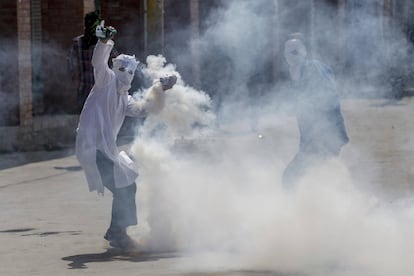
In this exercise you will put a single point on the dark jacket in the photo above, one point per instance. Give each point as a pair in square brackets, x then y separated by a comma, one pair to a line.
[318, 111]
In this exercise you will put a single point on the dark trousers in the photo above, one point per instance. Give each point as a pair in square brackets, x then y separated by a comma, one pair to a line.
[124, 210]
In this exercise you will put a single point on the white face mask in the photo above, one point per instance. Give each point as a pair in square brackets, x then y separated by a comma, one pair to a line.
[295, 52]
[124, 67]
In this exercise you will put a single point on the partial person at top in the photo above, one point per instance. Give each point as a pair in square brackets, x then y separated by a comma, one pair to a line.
[80, 58]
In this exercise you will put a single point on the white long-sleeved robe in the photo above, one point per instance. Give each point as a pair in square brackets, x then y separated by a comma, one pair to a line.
[102, 117]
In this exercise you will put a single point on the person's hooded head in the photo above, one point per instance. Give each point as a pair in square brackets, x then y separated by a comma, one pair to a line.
[91, 21]
[295, 52]
[124, 67]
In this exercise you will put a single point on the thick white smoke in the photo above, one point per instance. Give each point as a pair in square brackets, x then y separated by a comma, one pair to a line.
[217, 193]
[220, 197]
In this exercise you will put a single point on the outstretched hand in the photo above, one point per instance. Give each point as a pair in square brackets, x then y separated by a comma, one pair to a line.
[168, 82]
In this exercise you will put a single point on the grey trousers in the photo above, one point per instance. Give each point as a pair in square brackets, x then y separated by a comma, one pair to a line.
[124, 210]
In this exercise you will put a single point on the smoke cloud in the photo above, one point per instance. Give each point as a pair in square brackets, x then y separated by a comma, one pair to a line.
[210, 187]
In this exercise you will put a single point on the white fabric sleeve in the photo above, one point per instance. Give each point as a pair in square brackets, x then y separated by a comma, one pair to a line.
[152, 103]
[100, 59]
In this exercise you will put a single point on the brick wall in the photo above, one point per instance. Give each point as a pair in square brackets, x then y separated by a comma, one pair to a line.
[127, 17]
[24, 71]
[9, 104]
[155, 27]
[48, 132]
[61, 21]
[177, 20]
[24, 62]
[88, 6]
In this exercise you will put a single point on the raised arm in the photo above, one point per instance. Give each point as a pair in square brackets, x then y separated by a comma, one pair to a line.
[100, 58]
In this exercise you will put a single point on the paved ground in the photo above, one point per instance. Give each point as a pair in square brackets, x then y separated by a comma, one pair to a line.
[51, 225]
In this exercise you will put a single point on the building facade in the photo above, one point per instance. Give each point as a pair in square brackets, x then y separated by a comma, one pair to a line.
[38, 94]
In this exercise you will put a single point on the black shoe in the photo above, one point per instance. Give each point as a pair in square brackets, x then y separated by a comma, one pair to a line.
[120, 239]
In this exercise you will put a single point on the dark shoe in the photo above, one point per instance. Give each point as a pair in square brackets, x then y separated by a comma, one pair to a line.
[121, 240]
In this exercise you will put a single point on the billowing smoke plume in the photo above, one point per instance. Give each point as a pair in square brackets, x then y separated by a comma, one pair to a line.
[210, 186]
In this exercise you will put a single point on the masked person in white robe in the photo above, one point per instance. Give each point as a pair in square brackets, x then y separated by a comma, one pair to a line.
[317, 109]
[100, 122]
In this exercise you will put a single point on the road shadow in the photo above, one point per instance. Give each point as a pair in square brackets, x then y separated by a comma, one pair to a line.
[17, 230]
[14, 159]
[110, 255]
[69, 168]
[40, 234]
[50, 233]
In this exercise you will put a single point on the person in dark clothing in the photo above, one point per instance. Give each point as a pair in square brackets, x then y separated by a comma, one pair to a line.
[80, 56]
[318, 112]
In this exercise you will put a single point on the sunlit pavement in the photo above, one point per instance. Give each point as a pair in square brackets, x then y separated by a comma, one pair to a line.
[51, 225]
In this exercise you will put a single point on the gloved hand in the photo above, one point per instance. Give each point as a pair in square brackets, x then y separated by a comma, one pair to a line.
[168, 82]
[104, 33]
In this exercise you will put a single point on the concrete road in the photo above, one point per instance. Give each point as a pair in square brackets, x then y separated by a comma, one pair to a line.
[51, 225]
